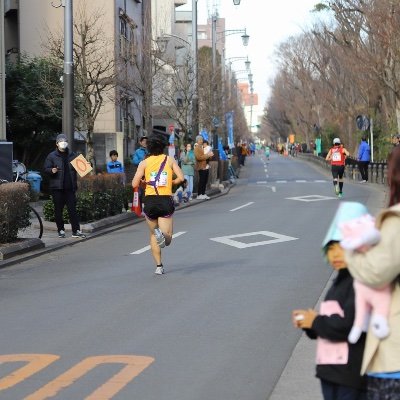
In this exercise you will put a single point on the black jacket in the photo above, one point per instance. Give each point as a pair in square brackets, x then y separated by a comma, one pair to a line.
[336, 329]
[55, 159]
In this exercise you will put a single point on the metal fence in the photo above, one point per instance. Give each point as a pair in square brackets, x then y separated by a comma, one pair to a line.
[377, 172]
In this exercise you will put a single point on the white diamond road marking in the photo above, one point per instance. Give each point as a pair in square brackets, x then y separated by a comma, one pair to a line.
[310, 198]
[229, 240]
[144, 249]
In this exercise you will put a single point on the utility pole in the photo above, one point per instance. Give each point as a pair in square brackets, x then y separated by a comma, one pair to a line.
[2, 76]
[68, 77]
[195, 101]
[214, 81]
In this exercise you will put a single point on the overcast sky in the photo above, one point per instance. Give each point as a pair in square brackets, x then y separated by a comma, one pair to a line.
[268, 22]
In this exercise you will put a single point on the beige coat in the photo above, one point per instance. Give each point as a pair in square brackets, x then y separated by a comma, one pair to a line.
[201, 158]
[379, 266]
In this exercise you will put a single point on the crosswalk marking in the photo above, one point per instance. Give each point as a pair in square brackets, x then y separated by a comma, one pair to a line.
[144, 249]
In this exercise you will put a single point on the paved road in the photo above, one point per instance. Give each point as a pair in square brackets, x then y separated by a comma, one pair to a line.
[93, 319]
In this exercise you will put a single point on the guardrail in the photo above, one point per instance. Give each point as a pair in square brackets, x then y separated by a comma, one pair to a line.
[377, 172]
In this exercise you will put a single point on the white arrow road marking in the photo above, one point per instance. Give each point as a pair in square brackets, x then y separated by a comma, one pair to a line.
[244, 205]
[277, 238]
[144, 249]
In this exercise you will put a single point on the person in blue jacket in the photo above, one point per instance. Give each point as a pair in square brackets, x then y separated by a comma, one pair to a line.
[141, 153]
[364, 157]
[114, 166]
[137, 157]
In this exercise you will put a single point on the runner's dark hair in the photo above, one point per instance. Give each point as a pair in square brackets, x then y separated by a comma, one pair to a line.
[156, 143]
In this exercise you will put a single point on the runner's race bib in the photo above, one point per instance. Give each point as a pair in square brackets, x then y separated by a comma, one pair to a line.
[337, 156]
[163, 178]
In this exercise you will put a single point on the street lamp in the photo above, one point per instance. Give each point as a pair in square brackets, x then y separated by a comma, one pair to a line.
[162, 41]
[247, 62]
[236, 2]
[245, 41]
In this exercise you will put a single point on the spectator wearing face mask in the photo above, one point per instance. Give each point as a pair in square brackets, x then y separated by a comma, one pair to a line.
[63, 185]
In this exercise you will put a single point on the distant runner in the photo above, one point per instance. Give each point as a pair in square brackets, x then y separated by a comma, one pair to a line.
[337, 156]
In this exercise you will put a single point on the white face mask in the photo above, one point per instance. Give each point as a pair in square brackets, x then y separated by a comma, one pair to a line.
[62, 145]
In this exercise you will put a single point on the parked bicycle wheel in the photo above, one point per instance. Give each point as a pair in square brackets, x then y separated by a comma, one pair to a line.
[35, 229]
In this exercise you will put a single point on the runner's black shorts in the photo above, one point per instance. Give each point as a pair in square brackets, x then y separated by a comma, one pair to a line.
[337, 171]
[158, 206]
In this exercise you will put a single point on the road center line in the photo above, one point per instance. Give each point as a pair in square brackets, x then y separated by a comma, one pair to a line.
[144, 249]
[244, 205]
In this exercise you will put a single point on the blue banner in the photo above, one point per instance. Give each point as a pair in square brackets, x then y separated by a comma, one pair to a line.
[204, 134]
[229, 127]
[222, 155]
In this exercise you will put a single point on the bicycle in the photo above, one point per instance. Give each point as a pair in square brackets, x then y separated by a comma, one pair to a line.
[35, 228]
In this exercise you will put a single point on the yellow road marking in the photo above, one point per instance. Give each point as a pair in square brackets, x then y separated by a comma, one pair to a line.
[35, 363]
[134, 366]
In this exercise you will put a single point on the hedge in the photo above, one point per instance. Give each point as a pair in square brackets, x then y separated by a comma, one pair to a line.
[14, 210]
[98, 197]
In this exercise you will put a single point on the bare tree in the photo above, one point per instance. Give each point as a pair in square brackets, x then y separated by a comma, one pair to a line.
[95, 70]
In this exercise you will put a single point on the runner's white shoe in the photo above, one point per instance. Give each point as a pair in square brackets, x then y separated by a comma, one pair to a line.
[159, 270]
[159, 237]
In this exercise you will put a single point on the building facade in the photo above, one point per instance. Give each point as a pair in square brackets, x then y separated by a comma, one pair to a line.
[125, 27]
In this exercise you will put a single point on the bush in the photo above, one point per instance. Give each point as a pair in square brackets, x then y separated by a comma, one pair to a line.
[14, 210]
[98, 196]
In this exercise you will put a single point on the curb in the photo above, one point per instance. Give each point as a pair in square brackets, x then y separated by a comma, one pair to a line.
[97, 231]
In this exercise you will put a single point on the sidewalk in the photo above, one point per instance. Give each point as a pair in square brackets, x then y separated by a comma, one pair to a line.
[298, 379]
[25, 250]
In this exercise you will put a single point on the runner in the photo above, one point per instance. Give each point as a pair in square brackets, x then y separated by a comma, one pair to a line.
[158, 169]
[337, 156]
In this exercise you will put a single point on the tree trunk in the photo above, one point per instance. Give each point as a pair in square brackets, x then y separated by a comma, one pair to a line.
[398, 113]
[90, 151]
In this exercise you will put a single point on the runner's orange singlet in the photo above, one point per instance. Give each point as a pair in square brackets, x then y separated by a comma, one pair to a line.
[164, 185]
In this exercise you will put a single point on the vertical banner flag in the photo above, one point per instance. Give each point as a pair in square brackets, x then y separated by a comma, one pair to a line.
[221, 150]
[229, 127]
[204, 134]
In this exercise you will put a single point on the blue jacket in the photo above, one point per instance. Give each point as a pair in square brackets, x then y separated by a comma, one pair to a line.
[139, 155]
[115, 167]
[364, 152]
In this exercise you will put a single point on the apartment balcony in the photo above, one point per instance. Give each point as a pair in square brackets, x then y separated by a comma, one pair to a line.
[11, 6]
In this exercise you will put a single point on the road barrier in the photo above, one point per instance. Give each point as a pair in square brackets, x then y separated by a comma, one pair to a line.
[377, 172]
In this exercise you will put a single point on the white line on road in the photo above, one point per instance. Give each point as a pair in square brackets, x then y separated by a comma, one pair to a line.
[144, 249]
[300, 181]
[244, 205]
[261, 182]
[281, 181]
